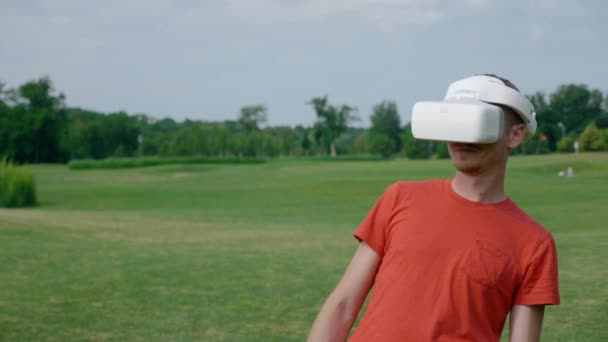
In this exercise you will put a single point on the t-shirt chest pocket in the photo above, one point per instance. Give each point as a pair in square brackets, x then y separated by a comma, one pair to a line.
[486, 264]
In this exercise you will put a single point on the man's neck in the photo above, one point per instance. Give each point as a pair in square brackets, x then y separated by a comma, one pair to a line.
[486, 187]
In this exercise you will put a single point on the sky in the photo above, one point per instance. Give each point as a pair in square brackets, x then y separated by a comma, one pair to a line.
[204, 60]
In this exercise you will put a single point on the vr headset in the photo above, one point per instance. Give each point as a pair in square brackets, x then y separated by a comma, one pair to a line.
[469, 112]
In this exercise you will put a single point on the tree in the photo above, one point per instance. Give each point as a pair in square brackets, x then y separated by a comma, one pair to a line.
[3, 104]
[252, 144]
[33, 123]
[568, 110]
[346, 140]
[591, 139]
[414, 148]
[35, 126]
[305, 143]
[386, 128]
[38, 95]
[166, 125]
[537, 144]
[220, 139]
[188, 140]
[361, 144]
[331, 122]
[251, 117]
[442, 151]
[602, 120]
[549, 125]
[575, 106]
[4, 122]
[566, 144]
[285, 139]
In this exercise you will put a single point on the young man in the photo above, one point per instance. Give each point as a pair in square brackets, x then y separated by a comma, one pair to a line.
[448, 259]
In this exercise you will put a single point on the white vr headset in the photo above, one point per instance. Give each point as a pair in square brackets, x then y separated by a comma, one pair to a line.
[469, 113]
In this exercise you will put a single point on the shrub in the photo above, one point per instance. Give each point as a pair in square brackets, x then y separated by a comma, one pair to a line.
[361, 144]
[591, 139]
[382, 144]
[566, 144]
[17, 186]
[414, 148]
[533, 145]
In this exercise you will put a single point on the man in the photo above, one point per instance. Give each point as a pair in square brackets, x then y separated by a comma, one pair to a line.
[449, 259]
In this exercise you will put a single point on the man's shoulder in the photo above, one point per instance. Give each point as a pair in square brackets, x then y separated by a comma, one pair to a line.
[526, 224]
[413, 191]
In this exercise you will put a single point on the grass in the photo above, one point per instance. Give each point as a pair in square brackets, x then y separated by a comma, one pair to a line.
[339, 158]
[249, 252]
[125, 163]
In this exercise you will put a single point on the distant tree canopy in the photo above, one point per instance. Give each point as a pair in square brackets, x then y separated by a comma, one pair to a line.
[414, 148]
[568, 110]
[251, 117]
[385, 133]
[33, 123]
[331, 122]
[37, 127]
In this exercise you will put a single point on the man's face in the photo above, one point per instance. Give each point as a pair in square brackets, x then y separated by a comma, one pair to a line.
[474, 159]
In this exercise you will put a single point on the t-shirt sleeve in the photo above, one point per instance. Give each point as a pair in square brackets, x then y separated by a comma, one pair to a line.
[374, 228]
[540, 283]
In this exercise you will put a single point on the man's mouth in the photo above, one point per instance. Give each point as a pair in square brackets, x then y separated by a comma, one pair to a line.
[460, 147]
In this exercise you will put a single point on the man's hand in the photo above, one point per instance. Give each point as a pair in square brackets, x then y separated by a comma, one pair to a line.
[525, 323]
[341, 308]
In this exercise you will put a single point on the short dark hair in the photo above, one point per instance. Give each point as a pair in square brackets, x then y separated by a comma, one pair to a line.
[516, 118]
[504, 80]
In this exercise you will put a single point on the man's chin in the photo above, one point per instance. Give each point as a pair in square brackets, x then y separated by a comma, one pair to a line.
[467, 168]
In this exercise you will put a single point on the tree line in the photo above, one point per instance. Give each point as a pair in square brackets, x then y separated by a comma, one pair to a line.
[36, 126]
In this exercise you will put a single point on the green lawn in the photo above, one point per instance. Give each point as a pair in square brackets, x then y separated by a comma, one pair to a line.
[249, 252]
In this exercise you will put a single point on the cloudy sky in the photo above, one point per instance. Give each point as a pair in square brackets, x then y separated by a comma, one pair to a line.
[205, 59]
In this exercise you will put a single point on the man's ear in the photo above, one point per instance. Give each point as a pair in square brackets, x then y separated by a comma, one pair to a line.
[517, 134]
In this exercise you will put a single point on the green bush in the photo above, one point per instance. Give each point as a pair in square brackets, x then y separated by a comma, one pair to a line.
[382, 144]
[591, 139]
[415, 148]
[122, 163]
[566, 144]
[17, 186]
[533, 145]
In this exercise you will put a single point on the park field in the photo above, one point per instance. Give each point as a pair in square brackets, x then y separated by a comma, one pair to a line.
[250, 252]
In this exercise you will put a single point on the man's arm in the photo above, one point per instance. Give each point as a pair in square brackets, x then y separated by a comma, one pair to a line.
[525, 323]
[341, 308]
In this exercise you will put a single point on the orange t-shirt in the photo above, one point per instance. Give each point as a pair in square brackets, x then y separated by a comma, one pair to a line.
[451, 268]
